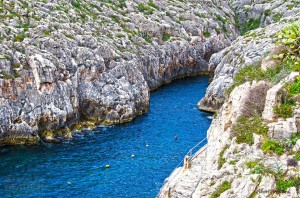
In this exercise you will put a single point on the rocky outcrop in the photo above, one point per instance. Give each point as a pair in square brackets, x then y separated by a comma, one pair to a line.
[206, 174]
[232, 167]
[251, 48]
[72, 64]
[247, 50]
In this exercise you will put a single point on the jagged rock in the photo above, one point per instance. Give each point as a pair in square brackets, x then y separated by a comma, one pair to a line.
[94, 62]
[297, 146]
[242, 187]
[266, 187]
[282, 129]
[274, 96]
[63, 62]
[248, 50]
[291, 192]
[242, 165]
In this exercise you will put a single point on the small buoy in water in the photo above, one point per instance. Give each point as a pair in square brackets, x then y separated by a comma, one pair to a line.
[175, 137]
[147, 145]
[69, 183]
[107, 166]
[132, 155]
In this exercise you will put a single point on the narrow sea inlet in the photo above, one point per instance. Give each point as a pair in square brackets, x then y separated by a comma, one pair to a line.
[140, 154]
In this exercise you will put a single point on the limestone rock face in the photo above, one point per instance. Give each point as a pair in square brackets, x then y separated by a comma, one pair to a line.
[224, 160]
[249, 168]
[266, 186]
[274, 97]
[282, 129]
[265, 12]
[244, 51]
[66, 62]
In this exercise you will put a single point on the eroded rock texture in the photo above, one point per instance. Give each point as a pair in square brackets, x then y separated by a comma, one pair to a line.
[70, 64]
[230, 167]
[249, 49]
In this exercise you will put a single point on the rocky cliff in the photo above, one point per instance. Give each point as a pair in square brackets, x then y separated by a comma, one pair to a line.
[253, 147]
[70, 64]
[249, 49]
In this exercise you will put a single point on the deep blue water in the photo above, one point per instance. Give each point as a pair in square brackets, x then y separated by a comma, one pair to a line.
[44, 171]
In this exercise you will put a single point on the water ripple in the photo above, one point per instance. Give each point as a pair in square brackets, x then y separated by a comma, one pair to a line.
[44, 171]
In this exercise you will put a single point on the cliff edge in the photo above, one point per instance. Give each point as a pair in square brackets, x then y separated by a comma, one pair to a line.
[72, 64]
[253, 147]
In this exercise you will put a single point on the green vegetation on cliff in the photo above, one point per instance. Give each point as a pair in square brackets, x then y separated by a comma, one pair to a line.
[288, 60]
[222, 188]
[251, 24]
[245, 127]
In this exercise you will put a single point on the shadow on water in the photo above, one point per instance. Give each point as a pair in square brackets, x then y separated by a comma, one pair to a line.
[39, 171]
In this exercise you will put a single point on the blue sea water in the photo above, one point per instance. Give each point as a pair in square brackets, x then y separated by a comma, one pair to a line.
[44, 171]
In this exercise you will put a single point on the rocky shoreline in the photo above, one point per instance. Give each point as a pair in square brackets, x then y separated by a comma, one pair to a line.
[65, 65]
[253, 144]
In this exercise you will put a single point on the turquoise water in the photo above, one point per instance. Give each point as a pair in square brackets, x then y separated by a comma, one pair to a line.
[44, 171]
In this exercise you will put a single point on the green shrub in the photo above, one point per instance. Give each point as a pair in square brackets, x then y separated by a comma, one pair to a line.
[221, 159]
[253, 194]
[276, 17]
[220, 18]
[267, 12]
[289, 38]
[152, 4]
[222, 188]
[254, 72]
[120, 35]
[15, 66]
[244, 128]
[282, 185]
[145, 9]
[294, 88]
[121, 4]
[247, 73]
[47, 32]
[251, 24]
[294, 138]
[115, 18]
[244, 137]
[233, 162]
[169, 14]
[16, 75]
[283, 111]
[291, 6]
[6, 75]
[20, 37]
[272, 146]
[251, 164]
[146, 37]
[257, 169]
[25, 26]
[297, 156]
[296, 66]
[181, 18]
[70, 37]
[166, 37]
[75, 3]
[206, 34]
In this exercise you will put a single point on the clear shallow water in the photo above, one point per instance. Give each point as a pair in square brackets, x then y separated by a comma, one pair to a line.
[44, 171]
